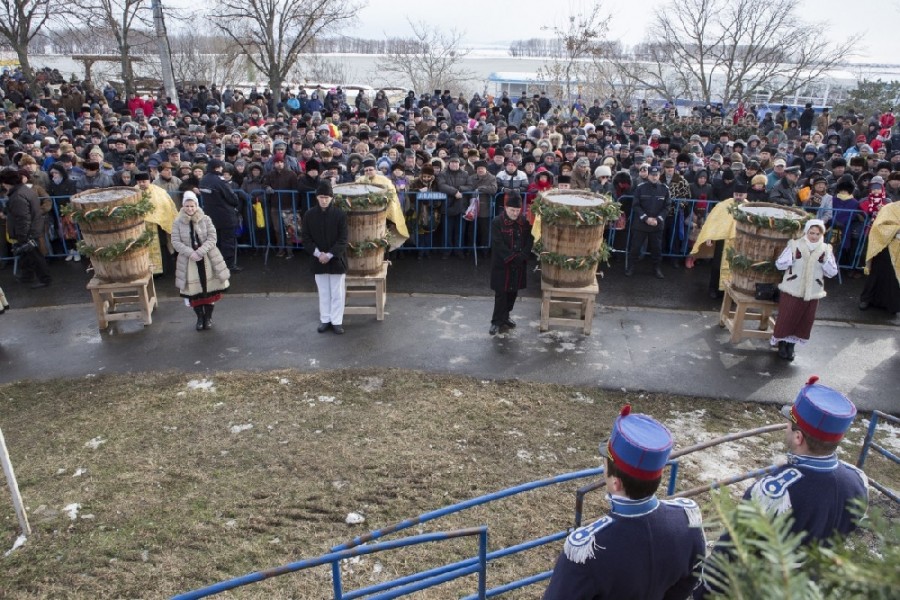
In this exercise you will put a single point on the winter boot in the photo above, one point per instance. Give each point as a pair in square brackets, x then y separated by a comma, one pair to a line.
[790, 351]
[207, 316]
[782, 350]
[200, 317]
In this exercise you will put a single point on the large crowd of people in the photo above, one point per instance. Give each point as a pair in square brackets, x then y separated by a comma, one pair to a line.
[462, 153]
[465, 170]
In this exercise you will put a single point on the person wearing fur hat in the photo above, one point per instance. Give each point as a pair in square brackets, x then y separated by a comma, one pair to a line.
[201, 274]
[511, 243]
[223, 206]
[325, 236]
[645, 547]
[806, 263]
[25, 223]
[93, 177]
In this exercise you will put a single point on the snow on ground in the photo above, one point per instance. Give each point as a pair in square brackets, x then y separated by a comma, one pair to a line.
[20, 541]
[886, 434]
[725, 460]
[71, 510]
[203, 385]
[240, 428]
[95, 443]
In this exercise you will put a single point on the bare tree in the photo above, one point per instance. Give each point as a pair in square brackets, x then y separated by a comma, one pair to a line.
[580, 39]
[734, 49]
[430, 60]
[314, 68]
[205, 56]
[126, 22]
[20, 22]
[274, 33]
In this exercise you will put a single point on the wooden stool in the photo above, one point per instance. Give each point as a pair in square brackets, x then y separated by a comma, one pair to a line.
[738, 308]
[366, 286]
[579, 299]
[108, 296]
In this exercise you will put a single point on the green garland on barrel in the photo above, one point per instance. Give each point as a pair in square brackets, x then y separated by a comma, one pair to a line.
[117, 251]
[370, 200]
[360, 249]
[122, 212]
[779, 224]
[572, 263]
[739, 262]
[580, 216]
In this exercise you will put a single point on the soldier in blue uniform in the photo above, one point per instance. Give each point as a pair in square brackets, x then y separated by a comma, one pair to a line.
[814, 485]
[645, 548]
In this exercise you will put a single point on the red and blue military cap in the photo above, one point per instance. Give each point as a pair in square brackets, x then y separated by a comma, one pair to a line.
[639, 445]
[821, 412]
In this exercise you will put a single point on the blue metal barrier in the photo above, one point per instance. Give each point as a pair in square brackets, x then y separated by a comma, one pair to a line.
[283, 210]
[416, 581]
[870, 444]
[403, 586]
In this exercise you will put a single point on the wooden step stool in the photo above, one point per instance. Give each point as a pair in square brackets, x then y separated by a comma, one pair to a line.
[581, 300]
[108, 297]
[737, 308]
[368, 286]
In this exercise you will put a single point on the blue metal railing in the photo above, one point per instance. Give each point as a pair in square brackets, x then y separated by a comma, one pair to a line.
[870, 444]
[432, 229]
[397, 587]
[442, 573]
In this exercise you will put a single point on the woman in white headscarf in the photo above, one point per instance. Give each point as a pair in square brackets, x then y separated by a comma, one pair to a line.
[806, 262]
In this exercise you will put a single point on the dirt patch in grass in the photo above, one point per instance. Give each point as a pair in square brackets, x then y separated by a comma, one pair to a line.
[148, 485]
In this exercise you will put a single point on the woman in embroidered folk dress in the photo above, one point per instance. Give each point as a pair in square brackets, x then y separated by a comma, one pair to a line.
[201, 274]
[806, 262]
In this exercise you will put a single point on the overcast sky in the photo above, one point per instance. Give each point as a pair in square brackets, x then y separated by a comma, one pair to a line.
[491, 22]
[875, 22]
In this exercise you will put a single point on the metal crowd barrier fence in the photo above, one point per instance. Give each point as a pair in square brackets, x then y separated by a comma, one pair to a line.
[870, 444]
[412, 582]
[431, 228]
[398, 587]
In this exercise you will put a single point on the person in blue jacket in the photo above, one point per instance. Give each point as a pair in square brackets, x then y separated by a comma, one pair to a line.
[645, 548]
[814, 486]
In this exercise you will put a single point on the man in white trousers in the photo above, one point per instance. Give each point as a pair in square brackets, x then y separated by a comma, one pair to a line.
[325, 237]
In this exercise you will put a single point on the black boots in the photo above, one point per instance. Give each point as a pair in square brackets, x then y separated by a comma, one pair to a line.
[204, 316]
[786, 351]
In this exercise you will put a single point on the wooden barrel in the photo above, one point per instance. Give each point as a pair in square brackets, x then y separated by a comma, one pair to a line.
[367, 225]
[569, 236]
[132, 265]
[110, 229]
[759, 242]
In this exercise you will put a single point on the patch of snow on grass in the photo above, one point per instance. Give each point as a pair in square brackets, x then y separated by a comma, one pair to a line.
[354, 519]
[240, 428]
[524, 455]
[204, 385]
[95, 443]
[71, 510]
[79, 472]
[20, 541]
[886, 435]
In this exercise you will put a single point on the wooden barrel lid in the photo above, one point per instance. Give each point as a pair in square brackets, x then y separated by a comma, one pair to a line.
[765, 210]
[574, 198]
[108, 195]
[358, 189]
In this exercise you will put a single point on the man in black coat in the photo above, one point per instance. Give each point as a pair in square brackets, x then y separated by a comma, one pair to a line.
[325, 232]
[223, 206]
[649, 209]
[25, 225]
[511, 242]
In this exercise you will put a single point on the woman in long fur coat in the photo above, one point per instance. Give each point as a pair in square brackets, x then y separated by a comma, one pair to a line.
[201, 274]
